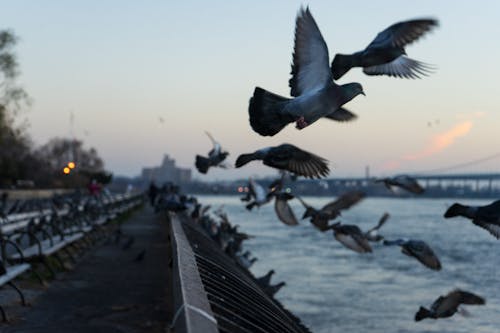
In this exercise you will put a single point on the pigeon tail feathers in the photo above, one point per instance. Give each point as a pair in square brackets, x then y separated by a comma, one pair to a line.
[422, 314]
[202, 164]
[341, 64]
[265, 111]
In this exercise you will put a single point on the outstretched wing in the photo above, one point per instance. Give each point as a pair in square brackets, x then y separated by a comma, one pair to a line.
[310, 68]
[381, 222]
[345, 201]
[298, 161]
[493, 229]
[217, 148]
[341, 115]
[403, 33]
[402, 67]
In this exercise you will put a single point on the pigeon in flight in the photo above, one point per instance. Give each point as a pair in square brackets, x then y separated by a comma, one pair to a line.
[215, 157]
[351, 237]
[386, 54]
[288, 157]
[258, 193]
[315, 94]
[447, 306]
[372, 234]
[405, 182]
[486, 217]
[320, 218]
[283, 209]
[418, 249]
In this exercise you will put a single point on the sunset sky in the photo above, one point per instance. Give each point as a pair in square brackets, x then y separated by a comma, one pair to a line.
[120, 66]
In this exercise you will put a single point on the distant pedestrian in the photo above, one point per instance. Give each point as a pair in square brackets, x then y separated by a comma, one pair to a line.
[152, 193]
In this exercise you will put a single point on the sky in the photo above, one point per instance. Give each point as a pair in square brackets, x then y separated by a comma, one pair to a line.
[120, 67]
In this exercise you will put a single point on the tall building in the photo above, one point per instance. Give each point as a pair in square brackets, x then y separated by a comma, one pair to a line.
[166, 172]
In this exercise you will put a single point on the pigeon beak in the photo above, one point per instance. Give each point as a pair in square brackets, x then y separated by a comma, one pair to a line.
[363, 93]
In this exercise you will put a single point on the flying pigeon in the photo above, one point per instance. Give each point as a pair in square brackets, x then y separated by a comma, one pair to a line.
[258, 193]
[406, 182]
[215, 157]
[447, 306]
[283, 210]
[320, 218]
[418, 249]
[386, 54]
[315, 94]
[351, 237]
[372, 234]
[486, 217]
[288, 157]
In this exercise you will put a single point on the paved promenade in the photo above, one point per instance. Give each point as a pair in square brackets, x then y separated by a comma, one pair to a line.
[110, 289]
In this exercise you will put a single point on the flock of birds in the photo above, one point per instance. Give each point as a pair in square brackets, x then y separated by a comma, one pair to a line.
[315, 95]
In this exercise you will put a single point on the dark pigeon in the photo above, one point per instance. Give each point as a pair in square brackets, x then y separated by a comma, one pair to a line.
[372, 234]
[215, 157]
[486, 217]
[351, 237]
[408, 183]
[265, 280]
[320, 218]
[386, 54]
[288, 157]
[316, 95]
[283, 210]
[447, 306]
[272, 290]
[419, 250]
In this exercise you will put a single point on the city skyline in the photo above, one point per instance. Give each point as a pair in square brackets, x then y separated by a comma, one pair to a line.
[144, 81]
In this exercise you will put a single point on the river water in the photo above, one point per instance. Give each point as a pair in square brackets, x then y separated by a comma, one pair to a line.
[333, 289]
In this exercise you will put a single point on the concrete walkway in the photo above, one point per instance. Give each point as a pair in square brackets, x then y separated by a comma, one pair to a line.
[110, 289]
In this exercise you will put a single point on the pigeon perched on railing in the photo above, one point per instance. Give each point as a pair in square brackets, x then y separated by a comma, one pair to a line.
[486, 217]
[258, 193]
[265, 280]
[288, 157]
[386, 54]
[447, 306]
[419, 250]
[316, 95]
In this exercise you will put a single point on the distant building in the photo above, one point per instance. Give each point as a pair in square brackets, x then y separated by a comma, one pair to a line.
[166, 172]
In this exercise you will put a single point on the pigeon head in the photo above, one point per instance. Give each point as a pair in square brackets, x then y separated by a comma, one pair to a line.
[352, 90]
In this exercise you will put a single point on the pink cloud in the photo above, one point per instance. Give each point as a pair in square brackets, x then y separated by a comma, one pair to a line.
[441, 141]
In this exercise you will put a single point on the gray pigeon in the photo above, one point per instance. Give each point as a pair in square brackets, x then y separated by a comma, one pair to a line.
[386, 54]
[447, 306]
[351, 237]
[320, 217]
[372, 234]
[288, 157]
[486, 217]
[258, 193]
[283, 209]
[403, 181]
[215, 157]
[419, 250]
[316, 95]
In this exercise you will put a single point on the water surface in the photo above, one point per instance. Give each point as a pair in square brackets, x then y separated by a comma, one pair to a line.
[333, 289]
